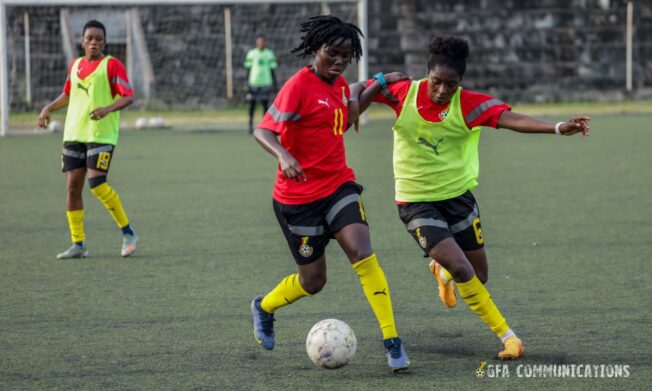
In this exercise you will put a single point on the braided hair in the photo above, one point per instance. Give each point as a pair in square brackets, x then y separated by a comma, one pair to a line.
[449, 51]
[327, 30]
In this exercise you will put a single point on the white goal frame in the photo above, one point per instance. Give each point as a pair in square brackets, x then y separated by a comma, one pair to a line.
[363, 64]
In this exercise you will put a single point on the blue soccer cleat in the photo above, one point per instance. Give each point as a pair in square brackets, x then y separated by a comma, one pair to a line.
[396, 356]
[263, 324]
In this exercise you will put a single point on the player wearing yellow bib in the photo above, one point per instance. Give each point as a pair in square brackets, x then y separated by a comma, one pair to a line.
[436, 165]
[96, 89]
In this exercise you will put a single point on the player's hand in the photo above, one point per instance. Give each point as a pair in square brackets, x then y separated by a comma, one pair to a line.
[98, 113]
[291, 168]
[354, 116]
[44, 118]
[576, 125]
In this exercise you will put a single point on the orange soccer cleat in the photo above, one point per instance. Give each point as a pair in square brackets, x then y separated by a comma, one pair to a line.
[447, 293]
[512, 349]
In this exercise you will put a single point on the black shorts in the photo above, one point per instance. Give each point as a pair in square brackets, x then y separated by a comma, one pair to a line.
[309, 227]
[431, 222]
[261, 93]
[90, 155]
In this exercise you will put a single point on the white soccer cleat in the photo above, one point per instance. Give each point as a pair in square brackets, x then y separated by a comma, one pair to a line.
[128, 244]
[74, 251]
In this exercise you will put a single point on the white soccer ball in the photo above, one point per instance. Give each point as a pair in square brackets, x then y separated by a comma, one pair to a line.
[331, 343]
[156, 122]
[55, 126]
[141, 123]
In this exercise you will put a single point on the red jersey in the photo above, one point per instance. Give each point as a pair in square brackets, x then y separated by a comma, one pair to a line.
[116, 72]
[310, 116]
[478, 109]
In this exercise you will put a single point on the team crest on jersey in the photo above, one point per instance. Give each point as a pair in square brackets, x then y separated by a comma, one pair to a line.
[422, 239]
[344, 100]
[305, 249]
[443, 115]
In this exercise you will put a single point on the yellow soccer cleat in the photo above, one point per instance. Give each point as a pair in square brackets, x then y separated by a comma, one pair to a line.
[512, 349]
[446, 289]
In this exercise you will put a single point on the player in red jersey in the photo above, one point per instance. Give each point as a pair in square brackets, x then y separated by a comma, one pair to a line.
[436, 165]
[315, 196]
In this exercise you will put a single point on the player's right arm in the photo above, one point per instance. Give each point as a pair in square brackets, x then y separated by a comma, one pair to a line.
[59, 103]
[277, 121]
[289, 165]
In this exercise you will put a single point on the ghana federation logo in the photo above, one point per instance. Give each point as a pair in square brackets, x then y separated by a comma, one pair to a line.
[480, 372]
[305, 249]
[422, 239]
[344, 100]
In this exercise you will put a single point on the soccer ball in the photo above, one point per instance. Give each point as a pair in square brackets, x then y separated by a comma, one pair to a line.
[331, 343]
[55, 126]
[156, 122]
[141, 123]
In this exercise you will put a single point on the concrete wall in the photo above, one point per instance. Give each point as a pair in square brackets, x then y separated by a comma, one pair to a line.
[522, 50]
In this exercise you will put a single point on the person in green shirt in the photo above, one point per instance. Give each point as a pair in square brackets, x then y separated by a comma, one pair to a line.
[96, 89]
[261, 79]
[436, 166]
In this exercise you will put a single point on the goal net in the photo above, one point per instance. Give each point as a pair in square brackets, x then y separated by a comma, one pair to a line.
[178, 55]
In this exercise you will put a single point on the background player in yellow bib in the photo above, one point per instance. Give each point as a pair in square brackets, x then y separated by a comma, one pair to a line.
[436, 166]
[96, 89]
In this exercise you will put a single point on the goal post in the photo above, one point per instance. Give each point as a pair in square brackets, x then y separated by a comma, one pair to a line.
[19, 79]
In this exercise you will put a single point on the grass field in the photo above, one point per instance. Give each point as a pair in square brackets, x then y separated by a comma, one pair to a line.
[567, 221]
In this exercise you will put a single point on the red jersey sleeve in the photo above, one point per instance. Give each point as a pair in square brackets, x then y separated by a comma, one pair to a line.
[285, 108]
[394, 95]
[118, 78]
[481, 110]
[66, 86]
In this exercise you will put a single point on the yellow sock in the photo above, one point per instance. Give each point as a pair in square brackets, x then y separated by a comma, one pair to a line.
[111, 202]
[374, 284]
[477, 297]
[76, 224]
[286, 292]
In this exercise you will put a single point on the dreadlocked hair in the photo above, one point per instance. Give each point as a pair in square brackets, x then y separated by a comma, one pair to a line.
[327, 30]
[449, 51]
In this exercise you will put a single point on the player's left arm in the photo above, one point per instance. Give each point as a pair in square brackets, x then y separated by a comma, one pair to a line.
[120, 104]
[525, 124]
[274, 83]
[362, 95]
[273, 64]
[119, 86]
[367, 93]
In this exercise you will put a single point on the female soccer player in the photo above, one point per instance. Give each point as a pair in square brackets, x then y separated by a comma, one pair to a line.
[96, 89]
[316, 197]
[436, 139]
